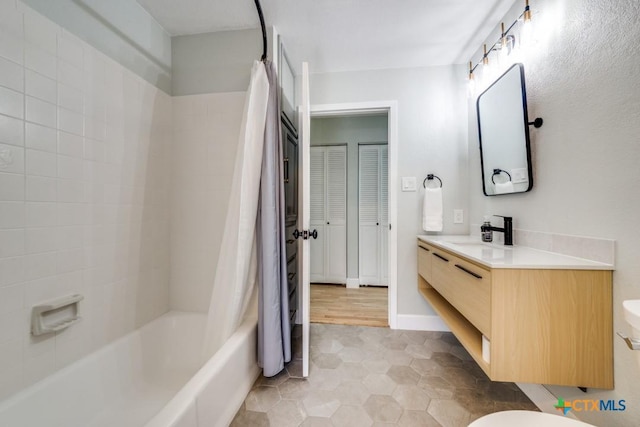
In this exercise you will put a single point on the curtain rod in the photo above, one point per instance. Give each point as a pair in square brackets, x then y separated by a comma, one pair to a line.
[264, 31]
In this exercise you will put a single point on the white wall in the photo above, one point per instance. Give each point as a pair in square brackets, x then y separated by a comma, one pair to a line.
[582, 79]
[217, 62]
[83, 194]
[203, 151]
[432, 114]
[351, 131]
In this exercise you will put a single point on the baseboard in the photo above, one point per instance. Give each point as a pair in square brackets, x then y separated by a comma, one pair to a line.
[353, 283]
[419, 322]
[542, 398]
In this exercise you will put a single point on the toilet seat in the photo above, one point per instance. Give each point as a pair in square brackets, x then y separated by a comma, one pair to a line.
[526, 419]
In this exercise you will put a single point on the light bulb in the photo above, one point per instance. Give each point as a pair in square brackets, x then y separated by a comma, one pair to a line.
[471, 86]
[526, 27]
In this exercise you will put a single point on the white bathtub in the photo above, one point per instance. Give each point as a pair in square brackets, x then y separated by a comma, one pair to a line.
[150, 377]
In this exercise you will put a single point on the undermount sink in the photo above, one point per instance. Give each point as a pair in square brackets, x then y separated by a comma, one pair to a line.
[468, 243]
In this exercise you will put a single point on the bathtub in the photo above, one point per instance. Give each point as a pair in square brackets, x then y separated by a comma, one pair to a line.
[151, 377]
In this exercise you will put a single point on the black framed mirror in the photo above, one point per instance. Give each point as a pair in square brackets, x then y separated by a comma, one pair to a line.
[503, 132]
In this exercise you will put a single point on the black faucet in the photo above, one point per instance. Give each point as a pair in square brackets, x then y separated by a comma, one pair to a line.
[507, 229]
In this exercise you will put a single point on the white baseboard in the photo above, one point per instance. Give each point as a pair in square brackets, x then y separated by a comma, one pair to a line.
[419, 322]
[542, 398]
[353, 283]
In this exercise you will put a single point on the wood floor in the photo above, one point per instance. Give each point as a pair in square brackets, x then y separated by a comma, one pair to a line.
[338, 305]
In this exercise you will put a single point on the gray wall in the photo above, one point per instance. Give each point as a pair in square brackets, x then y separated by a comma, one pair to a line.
[215, 62]
[350, 131]
[586, 156]
[121, 29]
[432, 137]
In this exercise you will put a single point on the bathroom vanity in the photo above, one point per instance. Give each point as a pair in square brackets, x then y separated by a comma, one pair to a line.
[523, 314]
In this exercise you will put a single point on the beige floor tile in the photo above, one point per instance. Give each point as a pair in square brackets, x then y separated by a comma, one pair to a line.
[411, 397]
[351, 416]
[449, 413]
[321, 403]
[364, 376]
[262, 398]
[287, 413]
[383, 408]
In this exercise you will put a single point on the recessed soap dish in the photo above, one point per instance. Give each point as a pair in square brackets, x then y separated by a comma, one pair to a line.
[55, 315]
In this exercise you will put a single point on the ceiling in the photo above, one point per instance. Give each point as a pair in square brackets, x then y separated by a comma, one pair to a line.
[345, 35]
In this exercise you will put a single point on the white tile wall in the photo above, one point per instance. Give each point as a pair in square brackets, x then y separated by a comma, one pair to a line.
[203, 149]
[83, 194]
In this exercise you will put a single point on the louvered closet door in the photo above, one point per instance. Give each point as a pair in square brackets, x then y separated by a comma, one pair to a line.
[336, 215]
[318, 217]
[373, 215]
[329, 214]
[368, 213]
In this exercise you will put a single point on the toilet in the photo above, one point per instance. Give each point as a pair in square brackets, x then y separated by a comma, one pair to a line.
[526, 419]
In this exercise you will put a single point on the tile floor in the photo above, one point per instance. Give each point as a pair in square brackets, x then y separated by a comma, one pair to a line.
[366, 376]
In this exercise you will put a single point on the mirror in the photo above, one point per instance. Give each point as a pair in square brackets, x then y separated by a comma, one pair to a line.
[503, 131]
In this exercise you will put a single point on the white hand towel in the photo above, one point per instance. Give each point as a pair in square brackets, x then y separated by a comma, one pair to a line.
[504, 187]
[432, 209]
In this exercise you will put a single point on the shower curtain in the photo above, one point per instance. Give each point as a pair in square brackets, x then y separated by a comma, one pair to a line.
[235, 279]
[274, 338]
[253, 247]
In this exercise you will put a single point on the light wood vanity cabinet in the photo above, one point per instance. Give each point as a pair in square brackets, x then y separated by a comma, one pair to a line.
[546, 326]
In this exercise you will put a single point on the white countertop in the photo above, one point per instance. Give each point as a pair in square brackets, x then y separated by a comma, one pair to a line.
[500, 256]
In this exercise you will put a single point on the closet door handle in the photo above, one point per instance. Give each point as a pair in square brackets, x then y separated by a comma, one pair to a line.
[476, 275]
[286, 170]
[441, 257]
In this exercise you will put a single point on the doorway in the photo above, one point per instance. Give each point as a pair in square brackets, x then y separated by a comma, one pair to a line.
[354, 203]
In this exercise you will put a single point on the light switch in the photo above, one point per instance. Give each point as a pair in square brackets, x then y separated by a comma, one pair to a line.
[408, 183]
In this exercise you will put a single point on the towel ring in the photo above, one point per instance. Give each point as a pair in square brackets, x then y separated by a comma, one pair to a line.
[430, 177]
[498, 172]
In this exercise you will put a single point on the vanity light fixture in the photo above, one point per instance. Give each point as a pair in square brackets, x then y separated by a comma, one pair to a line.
[505, 44]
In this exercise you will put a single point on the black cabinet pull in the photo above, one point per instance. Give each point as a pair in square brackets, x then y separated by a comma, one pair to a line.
[286, 170]
[441, 257]
[476, 275]
[423, 248]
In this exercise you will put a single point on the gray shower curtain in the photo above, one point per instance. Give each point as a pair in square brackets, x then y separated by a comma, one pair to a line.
[274, 337]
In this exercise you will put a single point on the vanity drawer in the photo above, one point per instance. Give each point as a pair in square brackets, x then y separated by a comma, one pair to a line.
[424, 261]
[465, 285]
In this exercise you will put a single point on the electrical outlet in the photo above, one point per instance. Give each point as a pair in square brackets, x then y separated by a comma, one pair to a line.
[458, 216]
